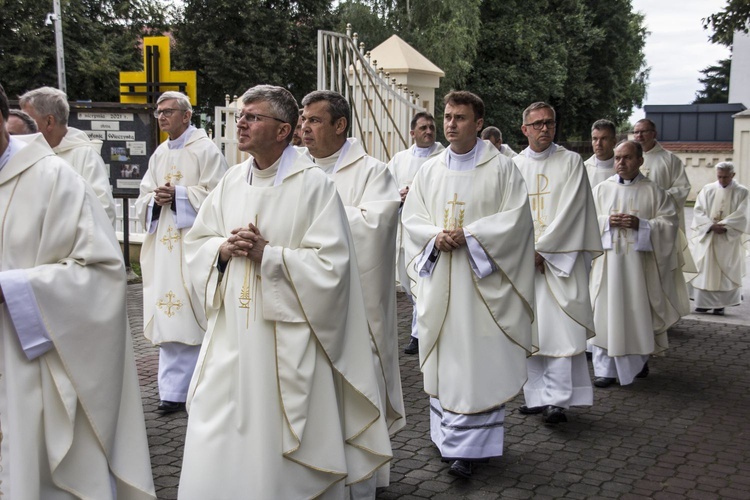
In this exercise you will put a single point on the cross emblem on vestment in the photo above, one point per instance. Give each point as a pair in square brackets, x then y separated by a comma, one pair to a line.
[622, 233]
[169, 304]
[173, 175]
[537, 204]
[450, 221]
[168, 238]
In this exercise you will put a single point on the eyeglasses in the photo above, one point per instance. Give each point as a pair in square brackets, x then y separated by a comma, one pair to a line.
[541, 123]
[167, 112]
[641, 132]
[254, 117]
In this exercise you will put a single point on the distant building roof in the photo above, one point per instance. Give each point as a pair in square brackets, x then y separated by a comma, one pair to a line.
[397, 56]
[697, 147]
[694, 122]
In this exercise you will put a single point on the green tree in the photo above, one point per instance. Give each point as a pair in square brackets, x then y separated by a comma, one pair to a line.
[734, 17]
[715, 83]
[100, 37]
[236, 44]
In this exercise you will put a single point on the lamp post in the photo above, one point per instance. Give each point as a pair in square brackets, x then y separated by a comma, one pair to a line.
[57, 18]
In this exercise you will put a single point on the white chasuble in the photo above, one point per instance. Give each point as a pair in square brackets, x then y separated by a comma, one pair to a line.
[84, 155]
[474, 334]
[71, 417]
[371, 201]
[720, 258]
[170, 309]
[599, 171]
[630, 285]
[284, 402]
[566, 234]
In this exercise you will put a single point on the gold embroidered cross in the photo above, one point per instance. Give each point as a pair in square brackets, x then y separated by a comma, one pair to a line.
[173, 175]
[168, 238]
[623, 234]
[450, 221]
[169, 304]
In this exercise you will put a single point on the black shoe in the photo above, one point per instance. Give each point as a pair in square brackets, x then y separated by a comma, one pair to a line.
[644, 372]
[604, 381]
[525, 410]
[719, 311]
[460, 468]
[701, 310]
[554, 415]
[170, 406]
[413, 347]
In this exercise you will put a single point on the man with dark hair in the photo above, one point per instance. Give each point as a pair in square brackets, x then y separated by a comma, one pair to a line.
[469, 246]
[403, 167]
[180, 174]
[566, 238]
[495, 137]
[601, 165]
[284, 402]
[50, 109]
[371, 200]
[631, 283]
[20, 123]
[71, 420]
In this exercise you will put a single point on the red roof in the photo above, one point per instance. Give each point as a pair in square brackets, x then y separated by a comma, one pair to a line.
[698, 147]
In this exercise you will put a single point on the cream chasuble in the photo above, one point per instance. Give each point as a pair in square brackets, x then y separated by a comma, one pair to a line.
[71, 417]
[630, 284]
[84, 155]
[720, 258]
[403, 167]
[284, 402]
[474, 334]
[599, 171]
[170, 310]
[371, 201]
[566, 234]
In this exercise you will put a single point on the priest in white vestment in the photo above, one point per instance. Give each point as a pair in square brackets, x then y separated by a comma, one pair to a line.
[495, 137]
[50, 109]
[403, 167]
[566, 240]
[630, 284]
[284, 402]
[470, 251]
[71, 421]
[371, 202]
[181, 172]
[668, 172]
[721, 224]
[601, 165]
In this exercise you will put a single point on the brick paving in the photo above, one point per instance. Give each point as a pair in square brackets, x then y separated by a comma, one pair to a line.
[683, 432]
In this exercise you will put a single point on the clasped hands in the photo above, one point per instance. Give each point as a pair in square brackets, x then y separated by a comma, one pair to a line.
[624, 221]
[718, 228]
[449, 240]
[164, 195]
[243, 242]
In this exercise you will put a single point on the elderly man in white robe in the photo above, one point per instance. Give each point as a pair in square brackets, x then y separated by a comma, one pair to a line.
[495, 137]
[71, 421]
[371, 201]
[284, 402]
[470, 251]
[630, 285]
[181, 172]
[50, 109]
[403, 167]
[721, 224]
[566, 240]
[601, 165]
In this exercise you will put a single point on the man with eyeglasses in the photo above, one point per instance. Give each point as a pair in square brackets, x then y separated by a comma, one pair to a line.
[668, 172]
[50, 109]
[404, 166]
[566, 236]
[469, 247]
[601, 165]
[180, 174]
[284, 402]
[371, 199]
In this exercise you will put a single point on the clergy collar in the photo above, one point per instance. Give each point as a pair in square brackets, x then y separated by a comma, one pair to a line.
[179, 143]
[530, 153]
[730, 185]
[606, 163]
[14, 146]
[626, 182]
[423, 152]
[465, 161]
[331, 164]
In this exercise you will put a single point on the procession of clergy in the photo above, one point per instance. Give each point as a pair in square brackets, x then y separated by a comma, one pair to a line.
[268, 287]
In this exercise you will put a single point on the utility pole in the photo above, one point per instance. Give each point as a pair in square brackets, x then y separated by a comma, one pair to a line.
[57, 18]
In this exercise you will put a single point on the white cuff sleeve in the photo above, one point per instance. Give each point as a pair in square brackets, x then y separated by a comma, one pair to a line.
[480, 263]
[185, 211]
[25, 314]
[428, 259]
[150, 223]
[644, 237]
[560, 263]
[607, 237]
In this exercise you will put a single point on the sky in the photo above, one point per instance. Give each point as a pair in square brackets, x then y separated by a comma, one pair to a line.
[677, 49]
